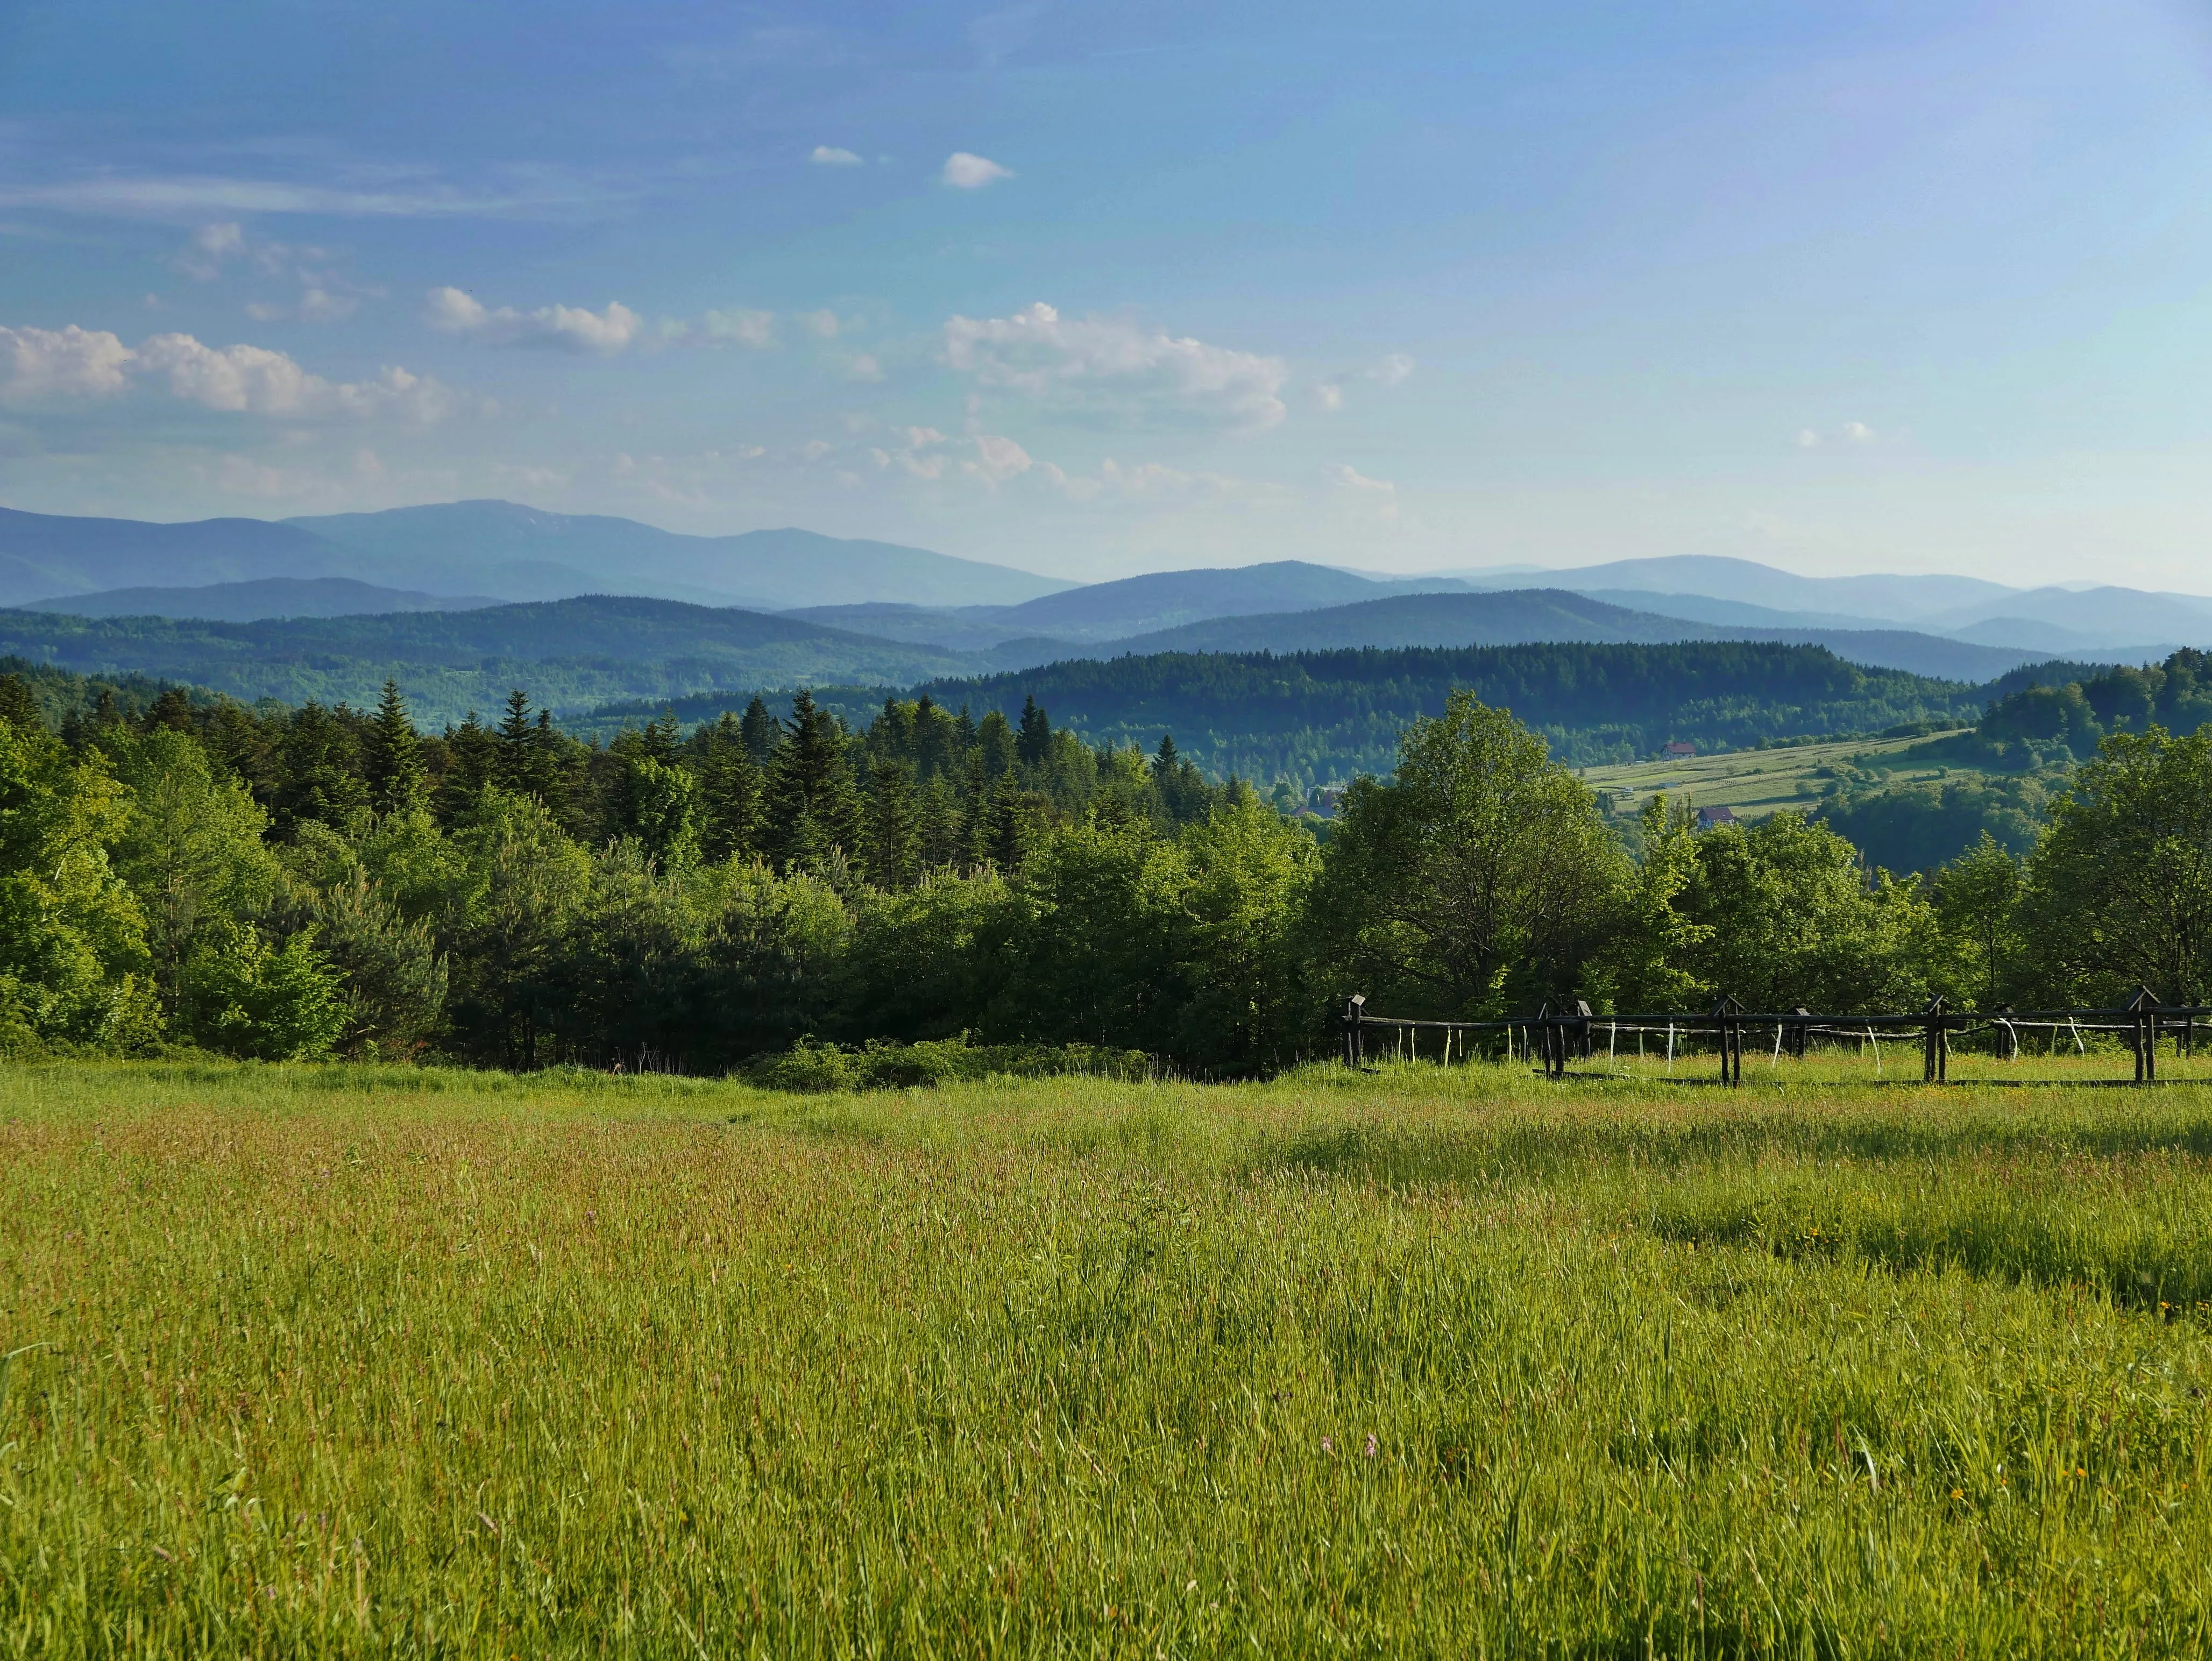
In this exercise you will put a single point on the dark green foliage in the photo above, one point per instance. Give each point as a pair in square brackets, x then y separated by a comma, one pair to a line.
[1919, 827]
[811, 808]
[392, 757]
[17, 706]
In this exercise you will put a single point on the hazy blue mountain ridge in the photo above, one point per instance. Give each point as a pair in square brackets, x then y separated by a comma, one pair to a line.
[261, 597]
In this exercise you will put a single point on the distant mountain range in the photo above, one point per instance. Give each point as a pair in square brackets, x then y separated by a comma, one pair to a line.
[497, 549]
[263, 596]
[918, 608]
[580, 653]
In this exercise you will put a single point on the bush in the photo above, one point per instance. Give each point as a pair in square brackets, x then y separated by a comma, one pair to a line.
[811, 1067]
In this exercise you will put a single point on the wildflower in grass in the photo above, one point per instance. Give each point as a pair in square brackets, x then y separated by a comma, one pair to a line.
[1370, 1443]
[1328, 1447]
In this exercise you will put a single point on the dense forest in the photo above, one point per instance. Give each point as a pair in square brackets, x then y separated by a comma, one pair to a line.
[1314, 718]
[2016, 759]
[188, 873]
[573, 653]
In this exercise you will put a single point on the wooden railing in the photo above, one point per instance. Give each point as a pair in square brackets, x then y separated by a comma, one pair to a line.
[1556, 1034]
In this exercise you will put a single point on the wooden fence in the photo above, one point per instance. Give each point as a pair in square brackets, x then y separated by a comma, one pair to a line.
[1552, 1036]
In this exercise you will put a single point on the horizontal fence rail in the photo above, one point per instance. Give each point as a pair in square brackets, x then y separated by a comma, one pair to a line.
[1552, 1036]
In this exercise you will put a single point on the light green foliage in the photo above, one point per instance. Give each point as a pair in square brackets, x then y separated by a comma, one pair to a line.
[73, 958]
[1787, 915]
[191, 847]
[2120, 887]
[1481, 877]
[666, 809]
[1088, 939]
[1247, 1003]
[237, 995]
[362, 1361]
[521, 886]
[1978, 899]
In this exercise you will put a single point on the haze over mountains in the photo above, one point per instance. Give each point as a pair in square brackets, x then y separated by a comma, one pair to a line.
[877, 612]
[499, 549]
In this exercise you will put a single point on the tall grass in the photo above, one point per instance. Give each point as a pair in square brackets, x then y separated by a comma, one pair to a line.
[353, 1361]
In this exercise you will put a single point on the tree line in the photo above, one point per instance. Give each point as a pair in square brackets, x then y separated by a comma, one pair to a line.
[287, 883]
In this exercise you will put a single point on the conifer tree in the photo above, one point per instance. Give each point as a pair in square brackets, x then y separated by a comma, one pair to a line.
[996, 741]
[810, 804]
[172, 710]
[1034, 742]
[18, 708]
[729, 791]
[761, 733]
[894, 826]
[527, 759]
[392, 757]
[471, 757]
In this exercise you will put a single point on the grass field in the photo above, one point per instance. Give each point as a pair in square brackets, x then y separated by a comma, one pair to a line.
[1754, 783]
[336, 1361]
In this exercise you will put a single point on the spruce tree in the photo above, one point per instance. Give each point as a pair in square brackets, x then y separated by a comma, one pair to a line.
[729, 791]
[996, 741]
[894, 826]
[761, 732]
[810, 804]
[18, 708]
[1034, 742]
[527, 757]
[172, 710]
[391, 758]
[472, 758]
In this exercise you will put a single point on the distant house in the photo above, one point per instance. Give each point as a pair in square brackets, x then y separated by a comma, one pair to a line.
[1709, 817]
[1678, 747]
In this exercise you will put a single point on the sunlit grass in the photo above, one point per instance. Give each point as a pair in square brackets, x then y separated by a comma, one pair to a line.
[354, 1361]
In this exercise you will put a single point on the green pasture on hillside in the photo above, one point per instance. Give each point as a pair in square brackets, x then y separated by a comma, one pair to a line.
[1753, 783]
[338, 1361]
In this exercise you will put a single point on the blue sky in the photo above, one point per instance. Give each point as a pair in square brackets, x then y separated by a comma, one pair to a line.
[1096, 289]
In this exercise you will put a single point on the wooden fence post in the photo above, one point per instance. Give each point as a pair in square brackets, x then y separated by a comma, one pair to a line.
[1933, 1058]
[1355, 1047]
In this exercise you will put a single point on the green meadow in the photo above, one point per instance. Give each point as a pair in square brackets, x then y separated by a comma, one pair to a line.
[335, 1360]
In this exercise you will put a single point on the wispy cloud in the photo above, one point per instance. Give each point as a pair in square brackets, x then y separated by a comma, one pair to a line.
[563, 328]
[154, 196]
[1118, 368]
[965, 172]
[830, 155]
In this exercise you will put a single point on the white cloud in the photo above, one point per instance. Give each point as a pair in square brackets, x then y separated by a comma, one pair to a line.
[1352, 479]
[76, 362]
[972, 173]
[1328, 397]
[204, 256]
[1851, 433]
[69, 362]
[1393, 370]
[862, 366]
[1117, 367]
[1380, 493]
[997, 459]
[243, 379]
[821, 324]
[743, 327]
[565, 328]
[828, 155]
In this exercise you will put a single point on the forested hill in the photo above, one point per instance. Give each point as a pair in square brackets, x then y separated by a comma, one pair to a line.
[570, 653]
[1313, 716]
